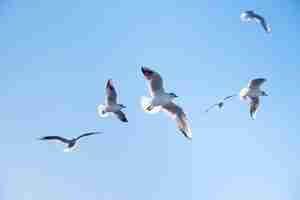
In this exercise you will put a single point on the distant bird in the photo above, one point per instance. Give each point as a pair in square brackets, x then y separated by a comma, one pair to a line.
[250, 15]
[253, 92]
[220, 104]
[111, 105]
[160, 100]
[70, 143]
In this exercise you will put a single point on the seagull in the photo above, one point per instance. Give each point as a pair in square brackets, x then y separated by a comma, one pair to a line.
[253, 92]
[220, 104]
[160, 100]
[70, 143]
[250, 15]
[111, 105]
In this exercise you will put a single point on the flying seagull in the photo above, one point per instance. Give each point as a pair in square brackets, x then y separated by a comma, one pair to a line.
[252, 92]
[250, 15]
[111, 105]
[70, 143]
[220, 104]
[160, 100]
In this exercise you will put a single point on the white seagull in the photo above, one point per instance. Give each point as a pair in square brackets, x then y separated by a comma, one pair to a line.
[160, 100]
[111, 105]
[71, 144]
[252, 92]
[250, 15]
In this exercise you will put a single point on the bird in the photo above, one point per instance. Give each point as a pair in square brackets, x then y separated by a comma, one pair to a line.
[220, 104]
[71, 144]
[250, 15]
[252, 92]
[111, 105]
[161, 100]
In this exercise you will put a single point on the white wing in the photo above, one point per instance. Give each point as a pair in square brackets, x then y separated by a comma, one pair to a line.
[156, 82]
[179, 116]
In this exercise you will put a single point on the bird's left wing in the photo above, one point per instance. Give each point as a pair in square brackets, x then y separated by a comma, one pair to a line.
[121, 116]
[111, 94]
[179, 116]
[254, 104]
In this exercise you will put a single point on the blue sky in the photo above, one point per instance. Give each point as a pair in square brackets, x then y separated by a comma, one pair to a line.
[56, 56]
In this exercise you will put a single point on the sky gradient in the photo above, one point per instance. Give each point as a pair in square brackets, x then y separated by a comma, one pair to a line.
[56, 57]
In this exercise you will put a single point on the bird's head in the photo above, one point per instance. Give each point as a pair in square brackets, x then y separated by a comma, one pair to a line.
[173, 95]
[122, 106]
[263, 93]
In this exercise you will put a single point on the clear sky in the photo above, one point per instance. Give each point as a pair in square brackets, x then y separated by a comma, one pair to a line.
[56, 56]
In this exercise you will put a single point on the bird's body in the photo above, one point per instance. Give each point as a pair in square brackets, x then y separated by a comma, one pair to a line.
[111, 105]
[250, 15]
[70, 144]
[161, 100]
[252, 93]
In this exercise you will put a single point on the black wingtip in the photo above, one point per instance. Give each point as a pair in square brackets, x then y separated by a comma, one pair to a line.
[143, 69]
[185, 135]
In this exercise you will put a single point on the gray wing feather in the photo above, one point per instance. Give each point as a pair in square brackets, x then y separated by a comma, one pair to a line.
[156, 82]
[256, 83]
[88, 134]
[254, 104]
[178, 114]
[57, 138]
[121, 116]
[111, 94]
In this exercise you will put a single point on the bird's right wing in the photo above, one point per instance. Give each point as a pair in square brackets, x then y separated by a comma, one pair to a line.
[55, 138]
[256, 83]
[156, 82]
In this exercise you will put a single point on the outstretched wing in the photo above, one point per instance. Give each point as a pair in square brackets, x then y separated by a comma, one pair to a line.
[256, 83]
[111, 94]
[88, 134]
[156, 82]
[220, 105]
[55, 138]
[263, 22]
[121, 116]
[254, 104]
[179, 116]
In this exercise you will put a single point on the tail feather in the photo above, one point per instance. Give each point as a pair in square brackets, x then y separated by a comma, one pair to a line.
[146, 103]
[101, 111]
